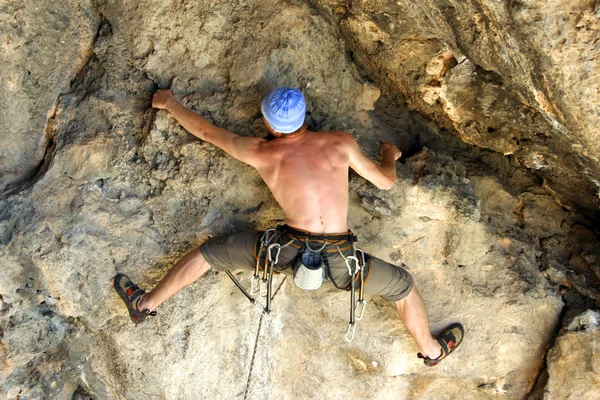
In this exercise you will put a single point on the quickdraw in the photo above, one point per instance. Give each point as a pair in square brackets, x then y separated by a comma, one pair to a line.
[271, 259]
[265, 240]
[361, 304]
[358, 259]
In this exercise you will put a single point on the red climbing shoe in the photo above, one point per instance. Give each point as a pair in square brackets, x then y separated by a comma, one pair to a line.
[131, 294]
[449, 340]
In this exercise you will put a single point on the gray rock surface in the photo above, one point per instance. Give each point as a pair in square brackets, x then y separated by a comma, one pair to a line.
[124, 188]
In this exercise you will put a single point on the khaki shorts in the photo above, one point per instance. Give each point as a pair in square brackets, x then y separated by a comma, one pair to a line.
[240, 251]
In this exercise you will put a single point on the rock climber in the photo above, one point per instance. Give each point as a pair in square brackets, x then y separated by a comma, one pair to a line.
[307, 172]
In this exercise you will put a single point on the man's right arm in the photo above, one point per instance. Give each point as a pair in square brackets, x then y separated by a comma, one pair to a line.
[240, 147]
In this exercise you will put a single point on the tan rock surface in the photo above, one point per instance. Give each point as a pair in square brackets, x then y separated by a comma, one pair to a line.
[44, 45]
[520, 78]
[573, 362]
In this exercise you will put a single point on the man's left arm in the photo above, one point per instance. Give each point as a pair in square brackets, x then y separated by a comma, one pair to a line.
[383, 175]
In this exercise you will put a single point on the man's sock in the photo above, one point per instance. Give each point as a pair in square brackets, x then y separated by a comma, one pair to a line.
[137, 304]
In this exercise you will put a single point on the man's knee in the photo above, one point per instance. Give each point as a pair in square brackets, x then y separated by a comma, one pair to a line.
[193, 264]
[389, 281]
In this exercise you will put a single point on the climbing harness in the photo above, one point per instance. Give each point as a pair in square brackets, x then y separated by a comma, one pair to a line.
[310, 270]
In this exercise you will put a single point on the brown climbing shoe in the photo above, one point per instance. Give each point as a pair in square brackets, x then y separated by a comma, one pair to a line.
[131, 295]
[449, 340]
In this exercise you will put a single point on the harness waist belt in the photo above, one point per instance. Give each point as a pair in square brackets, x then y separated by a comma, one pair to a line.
[300, 234]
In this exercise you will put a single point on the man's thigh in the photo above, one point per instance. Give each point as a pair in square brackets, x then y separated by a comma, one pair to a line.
[389, 281]
[231, 252]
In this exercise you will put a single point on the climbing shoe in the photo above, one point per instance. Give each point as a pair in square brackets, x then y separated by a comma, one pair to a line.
[131, 295]
[449, 340]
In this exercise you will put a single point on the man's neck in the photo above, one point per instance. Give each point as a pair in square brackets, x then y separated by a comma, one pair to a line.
[291, 135]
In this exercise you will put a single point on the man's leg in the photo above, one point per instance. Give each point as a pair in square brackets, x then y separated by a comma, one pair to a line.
[191, 267]
[393, 282]
[414, 316]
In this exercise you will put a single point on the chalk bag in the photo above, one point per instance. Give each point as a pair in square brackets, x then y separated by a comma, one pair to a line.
[308, 272]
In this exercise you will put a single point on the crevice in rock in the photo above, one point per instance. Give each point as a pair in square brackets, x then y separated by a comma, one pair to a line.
[81, 394]
[537, 390]
[51, 123]
[575, 304]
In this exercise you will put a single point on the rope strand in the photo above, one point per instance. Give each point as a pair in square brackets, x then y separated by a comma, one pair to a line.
[256, 343]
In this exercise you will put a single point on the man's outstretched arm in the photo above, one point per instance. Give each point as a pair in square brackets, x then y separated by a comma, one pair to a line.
[240, 147]
[383, 175]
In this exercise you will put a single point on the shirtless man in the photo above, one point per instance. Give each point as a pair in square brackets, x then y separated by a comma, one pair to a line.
[307, 172]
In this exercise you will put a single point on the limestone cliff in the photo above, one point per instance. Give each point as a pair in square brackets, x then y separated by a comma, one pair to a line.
[493, 212]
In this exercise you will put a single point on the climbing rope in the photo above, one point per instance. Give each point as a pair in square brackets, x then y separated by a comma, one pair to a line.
[260, 322]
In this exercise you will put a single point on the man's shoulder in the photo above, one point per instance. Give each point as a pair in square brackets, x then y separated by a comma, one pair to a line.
[337, 135]
[336, 132]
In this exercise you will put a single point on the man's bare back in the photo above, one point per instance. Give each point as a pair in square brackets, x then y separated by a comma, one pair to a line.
[306, 171]
[308, 176]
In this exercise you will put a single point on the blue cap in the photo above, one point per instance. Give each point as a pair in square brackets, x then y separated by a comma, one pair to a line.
[284, 109]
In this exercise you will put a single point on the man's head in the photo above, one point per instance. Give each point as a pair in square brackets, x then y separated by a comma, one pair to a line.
[284, 110]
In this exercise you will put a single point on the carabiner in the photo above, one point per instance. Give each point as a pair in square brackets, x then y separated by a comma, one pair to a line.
[253, 289]
[360, 305]
[350, 271]
[268, 318]
[260, 308]
[268, 236]
[263, 283]
[351, 330]
[273, 260]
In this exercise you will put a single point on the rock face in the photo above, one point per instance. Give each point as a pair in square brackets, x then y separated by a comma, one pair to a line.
[123, 188]
[520, 78]
[45, 44]
[575, 354]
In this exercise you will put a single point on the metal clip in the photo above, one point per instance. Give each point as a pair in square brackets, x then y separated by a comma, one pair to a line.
[255, 280]
[269, 235]
[268, 318]
[350, 271]
[259, 308]
[351, 330]
[273, 261]
[361, 305]
[262, 284]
